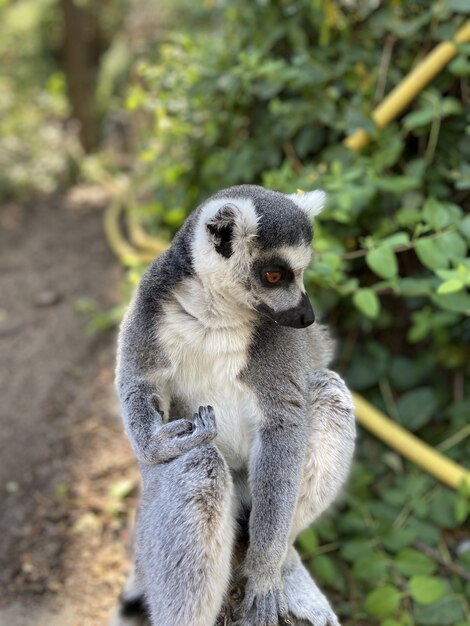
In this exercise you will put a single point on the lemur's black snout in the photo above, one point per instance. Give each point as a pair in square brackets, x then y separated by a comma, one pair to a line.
[299, 316]
[307, 319]
[306, 316]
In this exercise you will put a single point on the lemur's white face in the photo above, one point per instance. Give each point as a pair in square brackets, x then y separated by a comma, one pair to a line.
[236, 261]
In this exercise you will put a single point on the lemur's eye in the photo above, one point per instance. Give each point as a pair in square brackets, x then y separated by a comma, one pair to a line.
[274, 277]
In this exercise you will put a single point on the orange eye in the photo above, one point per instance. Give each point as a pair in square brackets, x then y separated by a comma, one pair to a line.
[273, 277]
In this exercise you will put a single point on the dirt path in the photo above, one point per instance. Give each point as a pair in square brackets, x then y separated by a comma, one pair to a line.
[67, 478]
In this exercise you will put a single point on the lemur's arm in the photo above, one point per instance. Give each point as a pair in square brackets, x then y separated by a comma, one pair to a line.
[275, 477]
[153, 440]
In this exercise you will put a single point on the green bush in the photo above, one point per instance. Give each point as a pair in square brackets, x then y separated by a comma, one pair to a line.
[267, 96]
[34, 150]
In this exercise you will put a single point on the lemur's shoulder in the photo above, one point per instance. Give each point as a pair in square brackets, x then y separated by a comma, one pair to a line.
[285, 351]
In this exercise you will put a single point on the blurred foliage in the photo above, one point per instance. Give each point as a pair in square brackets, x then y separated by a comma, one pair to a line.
[266, 96]
[39, 143]
[33, 104]
[41, 148]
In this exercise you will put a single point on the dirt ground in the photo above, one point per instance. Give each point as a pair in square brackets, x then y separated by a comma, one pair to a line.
[68, 483]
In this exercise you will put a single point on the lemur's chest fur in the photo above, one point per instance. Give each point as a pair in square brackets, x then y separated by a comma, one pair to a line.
[206, 356]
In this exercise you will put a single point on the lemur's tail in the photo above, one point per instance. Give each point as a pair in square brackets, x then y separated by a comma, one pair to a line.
[134, 610]
[131, 609]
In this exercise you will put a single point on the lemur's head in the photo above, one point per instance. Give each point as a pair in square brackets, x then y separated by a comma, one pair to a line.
[252, 246]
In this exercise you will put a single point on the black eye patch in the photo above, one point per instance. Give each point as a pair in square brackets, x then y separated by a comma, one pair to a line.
[274, 273]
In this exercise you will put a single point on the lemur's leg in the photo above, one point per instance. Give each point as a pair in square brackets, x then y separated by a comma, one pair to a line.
[304, 598]
[330, 448]
[329, 455]
[184, 538]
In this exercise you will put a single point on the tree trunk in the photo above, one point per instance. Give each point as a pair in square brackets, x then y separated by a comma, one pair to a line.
[82, 49]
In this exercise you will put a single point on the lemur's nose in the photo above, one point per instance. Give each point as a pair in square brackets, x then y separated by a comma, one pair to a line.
[307, 316]
[307, 319]
[299, 316]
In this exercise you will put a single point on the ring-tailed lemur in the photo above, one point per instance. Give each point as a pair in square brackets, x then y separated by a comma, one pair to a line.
[229, 408]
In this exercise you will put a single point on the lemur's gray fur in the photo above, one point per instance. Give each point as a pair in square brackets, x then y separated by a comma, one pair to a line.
[231, 411]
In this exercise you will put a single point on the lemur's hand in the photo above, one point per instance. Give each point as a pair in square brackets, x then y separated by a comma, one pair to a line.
[204, 426]
[175, 438]
[264, 603]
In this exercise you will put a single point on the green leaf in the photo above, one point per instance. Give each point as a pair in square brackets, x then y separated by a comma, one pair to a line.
[410, 562]
[450, 286]
[430, 254]
[419, 118]
[415, 286]
[445, 612]
[398, 184]
[408, 216]
[383, 262]
[417, 406]
[452, 245]
[361, 373]
[406, 373]
[308, 541]
[383, 602]
[443, 508]
[354, 549]
[398, 538]
[370, 567]
[464, 227]
[459, 302]
[435, 214]
[461, 510]
[367, 302]
[450, 106]
[326, 570]
[460, 66]
[459, 6]
[426, 532]
[426, 589]
[326, 529]
[397, 239]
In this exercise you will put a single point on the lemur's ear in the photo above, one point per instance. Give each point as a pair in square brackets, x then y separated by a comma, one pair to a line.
[312, 202]
[221, 228]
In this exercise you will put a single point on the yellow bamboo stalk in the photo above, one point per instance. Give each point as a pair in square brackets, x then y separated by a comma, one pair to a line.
[410, 86]
[410, 446]
[140, 238]
[121, 248]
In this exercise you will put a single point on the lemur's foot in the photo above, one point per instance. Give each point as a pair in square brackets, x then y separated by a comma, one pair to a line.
[304, 599]
[263, 604]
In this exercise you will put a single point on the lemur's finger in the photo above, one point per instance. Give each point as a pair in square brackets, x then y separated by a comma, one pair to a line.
[155, 403]
[208, 411]
[239, 575]
[282, 607]
[267, 610]
[178, 428]
[248, 600]
[208, 416]
[204, 424]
